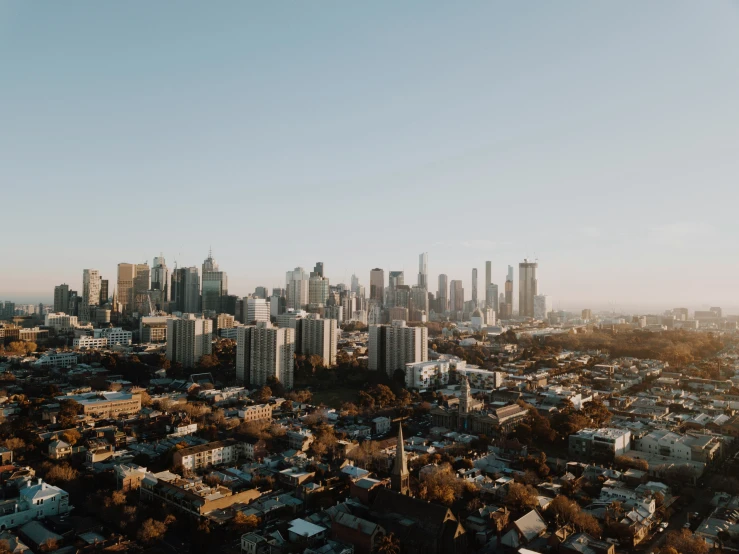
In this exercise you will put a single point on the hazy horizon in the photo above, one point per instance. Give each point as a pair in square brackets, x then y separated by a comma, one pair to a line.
[599, 138]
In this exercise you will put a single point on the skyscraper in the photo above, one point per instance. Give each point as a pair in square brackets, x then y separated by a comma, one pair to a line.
[317, 270]
[491, 297]
[160, 279]
[103, 292]
[377, 285]
[442, 294]
[215, 286]
[527, 288]
[355, 284]
[456, 296]
[90, 292]
[185, 290]
[507, 313]
[61, 299]
[489, 301]
[124, 288]
[542, 306]
[318, 337]
[257, 309]
[423, 270]
[395, 278]
[393, 346]
[141, 285]
[474, 286]
[318, 288]
[297, 288]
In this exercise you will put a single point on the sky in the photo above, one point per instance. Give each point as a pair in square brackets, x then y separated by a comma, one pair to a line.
[601, 138]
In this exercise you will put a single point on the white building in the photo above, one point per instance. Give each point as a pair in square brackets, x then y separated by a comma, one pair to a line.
[391, 347]
[37, 500]
[60, 321]
[319, 337]
[264, 351]
[482, 378]
[297, 288]
[189, 338]
[115, 335]
[427, 375]
[210, 454]
[90, 342]
[542, 306]
[606, 442]
[257, 309]
[57, 359]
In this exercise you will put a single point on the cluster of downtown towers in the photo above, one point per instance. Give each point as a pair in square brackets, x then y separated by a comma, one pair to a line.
[141, 289]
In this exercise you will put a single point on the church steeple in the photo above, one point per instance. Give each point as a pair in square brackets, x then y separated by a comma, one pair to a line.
[400, 479]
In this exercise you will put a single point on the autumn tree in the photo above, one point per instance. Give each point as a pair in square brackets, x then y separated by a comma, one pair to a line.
[151, 531]
[568, 512]
[242, 523]
[685, 542]
[71, 436]
[388, 544]
[521, 498]
[263, 394]
[60, 473]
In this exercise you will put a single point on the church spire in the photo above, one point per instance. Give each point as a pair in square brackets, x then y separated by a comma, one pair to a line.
[400, 479]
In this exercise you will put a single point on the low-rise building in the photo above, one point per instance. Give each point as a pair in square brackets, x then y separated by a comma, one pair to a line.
[599, 443]
[209, 454]
[256, 412]
[37, 500]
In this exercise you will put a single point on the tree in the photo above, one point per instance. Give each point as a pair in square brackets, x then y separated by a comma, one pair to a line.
[68, 411]
[61, 473]
[685, 542]
[629, 462]
[71, 436]
[263, 394]
[242, 523]
[568, 512]
[151, 531]
[521, 497]
[388, 544]
[14, 443]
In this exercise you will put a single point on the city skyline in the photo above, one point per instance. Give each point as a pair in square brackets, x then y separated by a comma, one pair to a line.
[612, 167]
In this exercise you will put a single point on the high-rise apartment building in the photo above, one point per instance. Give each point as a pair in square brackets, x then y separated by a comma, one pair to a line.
[90, 293]
[61, 299]
[377, 285]
[298, 289]
[264, 352]
[542, 306]
[442, 294]
[189, 338]
[185, 290]
[527, 288]
[257, 309]
[456, 296]
[319, 337]
[215, 286]
[491, 297]
[474, 286]
[587, 314]
[104, 292]
[507, 313]
[423, 270]
[393, 346]
[355, 284]
[419, 299]
[160, 279]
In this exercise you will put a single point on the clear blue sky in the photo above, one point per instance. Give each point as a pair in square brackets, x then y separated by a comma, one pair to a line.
[602, 138]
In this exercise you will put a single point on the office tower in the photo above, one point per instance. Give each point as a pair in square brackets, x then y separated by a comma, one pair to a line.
[7, 309]
[349, 304]
[124, 286]
[355, 284]
[61, 299]
[318, 288]
[423, 270]
[490, 302]
[103, 292]
[264, 352]
[527, 288]
[141, 286]
[318, 337]
[185, 290]
[681, 314]
[508, 312]
[160, 279]
[189, 338]
[587, 314]
[419, 300]
[277, 305]
[377, 285]
[442, 294]
[716, 310]
[393, 346]
[261, 292]
[317, 270]
[400, 297]
[90, 292]
[395, 279]
[297, 288]
[215, 286]
[491, 297]
[474, 286]
[74, 303]
[456, 296]
[542, 306]
[257, 309]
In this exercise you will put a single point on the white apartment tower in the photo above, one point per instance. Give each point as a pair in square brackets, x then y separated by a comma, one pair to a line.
[297, 282]
[319, 337]
[393, 346]
[188, 339]
[90, 292]
[264, 351]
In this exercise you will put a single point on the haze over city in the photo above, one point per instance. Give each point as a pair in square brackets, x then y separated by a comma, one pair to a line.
[598, 138]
